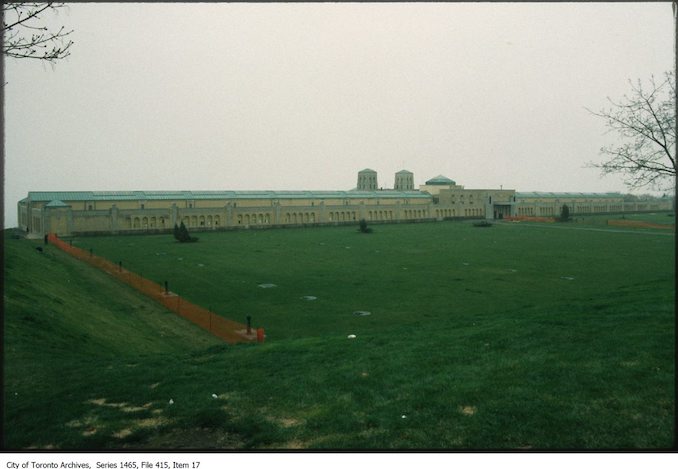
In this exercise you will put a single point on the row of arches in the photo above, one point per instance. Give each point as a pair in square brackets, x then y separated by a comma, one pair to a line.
[245, 219]
[202, 221]
[415, 213]
[473, 212]
[380, 215]
[254, 219]
[300, 217]
[342, 216]
[195, 221]
[446, 212]
[145, 223]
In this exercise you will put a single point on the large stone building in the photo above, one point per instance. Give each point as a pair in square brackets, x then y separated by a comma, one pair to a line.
[81, 213]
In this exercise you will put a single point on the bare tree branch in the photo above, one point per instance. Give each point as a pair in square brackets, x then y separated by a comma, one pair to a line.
[645, 123]
[24, 37]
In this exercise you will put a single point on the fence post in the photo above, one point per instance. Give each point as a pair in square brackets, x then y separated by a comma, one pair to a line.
[166, 290]
[249, 325]
[119, 266]
[90, 252]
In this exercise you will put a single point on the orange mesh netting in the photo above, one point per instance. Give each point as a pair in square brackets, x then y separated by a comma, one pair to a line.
[230, 331]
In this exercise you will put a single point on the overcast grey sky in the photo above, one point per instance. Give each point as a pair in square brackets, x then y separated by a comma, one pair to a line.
[303, 96]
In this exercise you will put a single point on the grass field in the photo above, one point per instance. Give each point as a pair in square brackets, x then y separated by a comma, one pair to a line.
[516, 336]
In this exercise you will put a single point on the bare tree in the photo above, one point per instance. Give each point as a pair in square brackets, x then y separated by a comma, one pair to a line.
[645, 122]
[26, 37]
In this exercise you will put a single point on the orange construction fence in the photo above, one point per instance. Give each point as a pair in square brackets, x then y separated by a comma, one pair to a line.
[230, 331]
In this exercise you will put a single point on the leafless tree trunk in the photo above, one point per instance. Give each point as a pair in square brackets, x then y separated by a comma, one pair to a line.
[645, 122]
[26, 37]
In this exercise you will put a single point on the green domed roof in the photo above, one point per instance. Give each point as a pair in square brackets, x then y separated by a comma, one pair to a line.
[367, 170]
[440, 180]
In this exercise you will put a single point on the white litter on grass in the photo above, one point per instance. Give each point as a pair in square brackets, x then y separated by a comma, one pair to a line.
[361, 313]
[267, 285]
[201, 265]
[214, 396]
[351, 336]
[309, 298]
[403, 416]
[567, 278]
[180, 258]
[348, 247]
[171, 401]
[513, 270]
[466, 263]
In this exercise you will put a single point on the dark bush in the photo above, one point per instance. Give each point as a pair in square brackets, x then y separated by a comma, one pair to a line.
[182, 235]
[363, 226]
[482, 224]
[564, 213]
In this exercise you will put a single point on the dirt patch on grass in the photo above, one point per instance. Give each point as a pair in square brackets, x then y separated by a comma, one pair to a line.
[194, 438]
[468, 409]
[293, 444]
[151, 422]
[123, 406]
[49, 447]
[287, 422]
[124, 433]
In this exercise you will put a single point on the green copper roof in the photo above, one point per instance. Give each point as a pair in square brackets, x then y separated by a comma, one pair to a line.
[56, 203]
[440, 180]
[367, 170]
[404, 171]
[566, 195]
[207, 195]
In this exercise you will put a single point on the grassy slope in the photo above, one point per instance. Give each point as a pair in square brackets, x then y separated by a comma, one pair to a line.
[476, 356]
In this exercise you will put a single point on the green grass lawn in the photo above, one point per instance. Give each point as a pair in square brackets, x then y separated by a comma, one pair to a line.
[514, 336]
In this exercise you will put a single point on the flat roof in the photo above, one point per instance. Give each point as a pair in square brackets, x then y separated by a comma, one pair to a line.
[566, 195]
[212, 195]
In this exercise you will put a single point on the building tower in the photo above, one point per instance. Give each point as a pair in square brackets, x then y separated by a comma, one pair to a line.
[367, 180]
[404, 181]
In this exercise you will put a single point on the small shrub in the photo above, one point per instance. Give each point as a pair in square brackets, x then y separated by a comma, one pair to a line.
[483, 224]
[363, 226]
[181, 234]
[564, 214]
